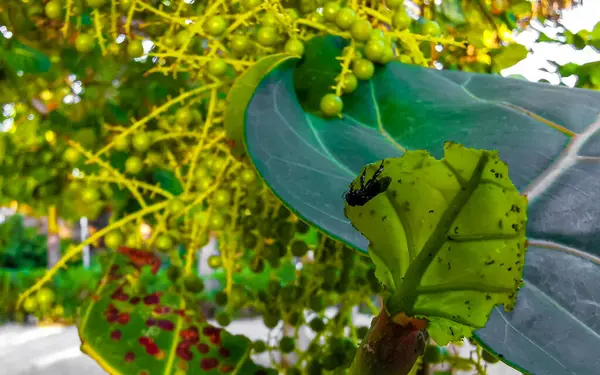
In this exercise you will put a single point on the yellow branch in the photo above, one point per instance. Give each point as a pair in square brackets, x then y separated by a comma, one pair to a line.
[73, 251]
[122, 179]
[98, 28]
[157, 112]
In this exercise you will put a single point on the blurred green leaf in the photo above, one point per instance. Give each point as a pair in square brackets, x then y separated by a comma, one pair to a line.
[23, 58]
[508, 56]
[452, 10]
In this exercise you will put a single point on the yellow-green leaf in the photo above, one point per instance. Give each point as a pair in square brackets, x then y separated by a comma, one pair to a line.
[447, 236]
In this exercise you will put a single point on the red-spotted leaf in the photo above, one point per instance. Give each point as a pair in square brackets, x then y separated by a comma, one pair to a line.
[129, 332]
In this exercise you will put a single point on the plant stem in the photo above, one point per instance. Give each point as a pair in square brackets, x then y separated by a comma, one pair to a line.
[389, 348]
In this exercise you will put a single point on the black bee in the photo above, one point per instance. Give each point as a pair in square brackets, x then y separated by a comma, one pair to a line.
[368, 190]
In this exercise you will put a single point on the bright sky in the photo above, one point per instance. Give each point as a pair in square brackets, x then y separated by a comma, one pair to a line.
[582, 17]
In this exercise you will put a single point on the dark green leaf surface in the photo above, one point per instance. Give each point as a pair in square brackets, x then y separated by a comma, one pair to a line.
[549, 137]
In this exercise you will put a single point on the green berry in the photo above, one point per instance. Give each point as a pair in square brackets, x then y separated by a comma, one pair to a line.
[221, 298]
[135, 48]
[270, 20]
[215, 26]
[182, 38]
[388, 55]
[240, 44]
[488, 357]
[133, 165]
[173, 273]
[267, 36]
[431, 28]
[361, 30]
[374, 49]
[302, 227]
[89, 195]
[71, 155]
[394, 4]
[121, 143]
[294, 47]
[192, 283]
[223, 319]
[401, 20]
[332, 105]
[259, 346]
[330, 11]
[217, 67]
[53, 9]
[432, 354]
[84, 43]
[248, 176]
[345, 18]
[271, 319]
[217, 221]
[363, 69]
[316, 302]
[164, 242]
[317, 325]
[183, 117]
[249, 240]
[299, 248]
[113, 240]
[287, 344]
[221, 198]
[141, 142]
[350, 83]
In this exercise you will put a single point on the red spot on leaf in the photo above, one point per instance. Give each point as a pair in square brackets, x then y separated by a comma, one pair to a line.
[179, 312]
[124, 318]
[119, 295]
[189, 334]
[152, 299]
[226, 368]
[129, 357]
[162, 310]
[144, 340]
[213, 334]
[183, 351]
[111, 313]
[150, 322]
[116, 335]
[224, 352]
[144, 372]
[209, 363]
[152, 349]
[166, 325]
[203, 348]
[135, 300]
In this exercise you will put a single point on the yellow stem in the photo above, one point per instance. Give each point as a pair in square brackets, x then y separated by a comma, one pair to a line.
[155, 113]
[73, 251]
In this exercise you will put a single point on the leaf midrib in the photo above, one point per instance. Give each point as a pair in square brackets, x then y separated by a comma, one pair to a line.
[404, 299]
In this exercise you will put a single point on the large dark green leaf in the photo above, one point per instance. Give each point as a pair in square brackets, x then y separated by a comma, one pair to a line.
[549, 137]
